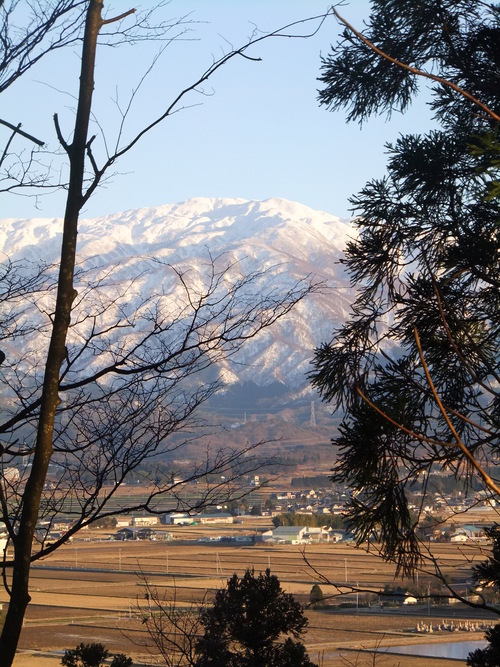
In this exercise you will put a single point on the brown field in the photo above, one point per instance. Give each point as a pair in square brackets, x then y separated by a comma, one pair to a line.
[90, 591]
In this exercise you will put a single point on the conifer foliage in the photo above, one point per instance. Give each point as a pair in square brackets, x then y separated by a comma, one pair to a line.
[249, 625]
[416, 366]
[93, 655]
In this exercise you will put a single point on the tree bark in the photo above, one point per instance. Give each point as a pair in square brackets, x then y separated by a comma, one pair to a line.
[22, 541]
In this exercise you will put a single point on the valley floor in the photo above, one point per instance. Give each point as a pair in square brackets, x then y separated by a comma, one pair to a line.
[92, 590]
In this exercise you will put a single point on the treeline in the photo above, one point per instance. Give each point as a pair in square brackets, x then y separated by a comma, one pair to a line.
[312, 520]
[317, 481]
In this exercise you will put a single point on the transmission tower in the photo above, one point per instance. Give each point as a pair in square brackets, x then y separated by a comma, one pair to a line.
[313, 416]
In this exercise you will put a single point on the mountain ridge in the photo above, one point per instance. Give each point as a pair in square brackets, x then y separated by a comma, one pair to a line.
[288, 240]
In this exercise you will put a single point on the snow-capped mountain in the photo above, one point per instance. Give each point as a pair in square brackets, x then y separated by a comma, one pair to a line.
[287, 240]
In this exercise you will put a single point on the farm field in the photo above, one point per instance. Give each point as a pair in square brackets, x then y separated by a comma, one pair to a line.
[90, 591]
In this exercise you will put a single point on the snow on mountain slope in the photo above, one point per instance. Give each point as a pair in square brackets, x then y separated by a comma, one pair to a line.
[138, 248]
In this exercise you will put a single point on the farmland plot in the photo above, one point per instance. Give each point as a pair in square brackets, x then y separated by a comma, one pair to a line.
[91, 591]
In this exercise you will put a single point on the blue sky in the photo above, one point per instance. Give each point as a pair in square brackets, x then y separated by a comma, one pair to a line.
[257, 132]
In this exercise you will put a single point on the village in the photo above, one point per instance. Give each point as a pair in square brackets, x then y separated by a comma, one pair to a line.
[294, 516]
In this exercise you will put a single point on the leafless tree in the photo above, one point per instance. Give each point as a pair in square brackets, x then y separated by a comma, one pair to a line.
[99, 399]
[129, 382]
[172, 629]
[31, 32]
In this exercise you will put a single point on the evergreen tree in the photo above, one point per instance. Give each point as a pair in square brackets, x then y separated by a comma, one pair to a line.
[489, 656]
[93, 655]
[316, 594]
[425, 262]
[487, 573]
[416, 367]
[244, 626]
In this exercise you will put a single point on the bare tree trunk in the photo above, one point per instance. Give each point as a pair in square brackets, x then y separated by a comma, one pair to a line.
[22, 541]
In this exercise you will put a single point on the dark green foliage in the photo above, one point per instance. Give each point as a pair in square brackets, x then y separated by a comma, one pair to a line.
[121, 660]
[426, 260]
[489, 656]
[93, 655]
[316, 594]
[85, 655]
[290, 654]
[247, 623]
[318, 481]
[487, 573]
[457, 39]
[105, 522]
[313, 520]
[426, 265]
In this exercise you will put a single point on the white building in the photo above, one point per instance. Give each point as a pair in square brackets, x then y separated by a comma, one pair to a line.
[459, 537]
[3, 539]
[11, 475]
[123, 521]
[286, 534]
[148, 520]
[214, 518]
[177, 518]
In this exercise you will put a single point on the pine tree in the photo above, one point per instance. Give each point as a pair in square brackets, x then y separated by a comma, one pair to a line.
[416, 367]
[426, 267]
